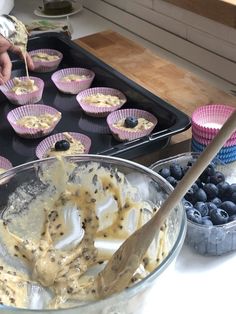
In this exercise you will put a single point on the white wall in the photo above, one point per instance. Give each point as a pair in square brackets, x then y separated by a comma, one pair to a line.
[205, 43]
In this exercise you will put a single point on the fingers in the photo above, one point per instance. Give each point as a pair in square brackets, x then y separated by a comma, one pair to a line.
[6, 66]
[29, 60]
[4, 44]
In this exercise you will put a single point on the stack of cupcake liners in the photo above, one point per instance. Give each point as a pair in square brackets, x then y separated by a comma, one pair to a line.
[206, 122]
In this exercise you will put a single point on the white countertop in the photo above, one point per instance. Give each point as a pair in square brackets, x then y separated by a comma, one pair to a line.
[196, 284]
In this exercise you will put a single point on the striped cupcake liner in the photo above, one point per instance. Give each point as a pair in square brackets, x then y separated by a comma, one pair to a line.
[50, 141]
[46, 66]
[126, 134]
[24, 99]
[32, 110]
[76, 86]
[200, 138]
[100, 111]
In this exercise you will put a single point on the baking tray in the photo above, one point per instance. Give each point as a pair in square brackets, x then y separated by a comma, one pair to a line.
[170, 119]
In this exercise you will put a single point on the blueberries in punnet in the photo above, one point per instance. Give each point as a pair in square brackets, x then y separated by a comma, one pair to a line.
[217, 178]
[202, 208]
[131, 122]
[199, 183]
[172, 181]
[194, 215]
[176, 171]
[229, 207]
[217, 201]
[211, 190]
[164, 172]
[200, 196]
[219, 216]
[207, 221]
[62, 145]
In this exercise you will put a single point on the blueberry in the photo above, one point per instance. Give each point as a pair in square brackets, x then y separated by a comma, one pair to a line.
[176, 171]
[224, 189]
[199, 183]
[202, 208]
[194, 215]
[219, 216]
[207, 221]
[200, 196]
[131, 122]
[208, 172]
[211, 206]
[187, 205]
[195, 187]
[232, 218]
[229, 207]
[165, 172]
[189, 195]
[211, 190]
[233, 197]
[172, 181]
[233, 187]
[185, 169]
[217, 178]
[62, 145]
[217, 201]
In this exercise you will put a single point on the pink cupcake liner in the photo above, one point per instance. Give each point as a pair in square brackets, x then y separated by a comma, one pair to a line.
[5, 163]
[209, 119]
[50, 141]
[204, 141]
[209, 136]
[32, 110]
[46, 66]
[126, 135]
[95, 111]
[72, 87]
[24, 99]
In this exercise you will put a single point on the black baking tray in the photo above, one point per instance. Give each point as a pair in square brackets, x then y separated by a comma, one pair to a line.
[170, 119]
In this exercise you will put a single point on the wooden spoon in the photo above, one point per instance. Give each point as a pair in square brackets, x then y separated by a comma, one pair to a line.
[124, 262]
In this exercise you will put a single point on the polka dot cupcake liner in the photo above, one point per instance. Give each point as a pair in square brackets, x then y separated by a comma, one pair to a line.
[100, 111]
[24, 99]
[50, 141]
[127, 134]
[76, 86]
[207, 120]
[46, 66]
[32, 110]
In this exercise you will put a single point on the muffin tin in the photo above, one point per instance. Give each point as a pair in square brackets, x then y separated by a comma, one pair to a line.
[170, 120]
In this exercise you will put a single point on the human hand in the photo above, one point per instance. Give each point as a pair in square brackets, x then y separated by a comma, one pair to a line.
[5, 67]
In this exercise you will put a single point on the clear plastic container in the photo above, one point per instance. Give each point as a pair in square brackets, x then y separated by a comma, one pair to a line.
[206, 240]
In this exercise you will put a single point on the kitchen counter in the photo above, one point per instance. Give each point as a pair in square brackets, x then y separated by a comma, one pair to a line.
[195, 284]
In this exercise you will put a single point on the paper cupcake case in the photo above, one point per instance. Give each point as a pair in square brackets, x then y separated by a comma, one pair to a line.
[99, 111]
[46, 66]
[223, 150]
[5, 163]
[73, 87]
[50, 141]
[28, 98]
[32, 110]
[127, 135]
[204, 118]
[204, 141]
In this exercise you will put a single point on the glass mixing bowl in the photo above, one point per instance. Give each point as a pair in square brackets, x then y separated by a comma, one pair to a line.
[20, 186]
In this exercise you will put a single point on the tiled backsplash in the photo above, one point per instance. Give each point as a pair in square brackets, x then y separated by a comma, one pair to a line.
[204, 42]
